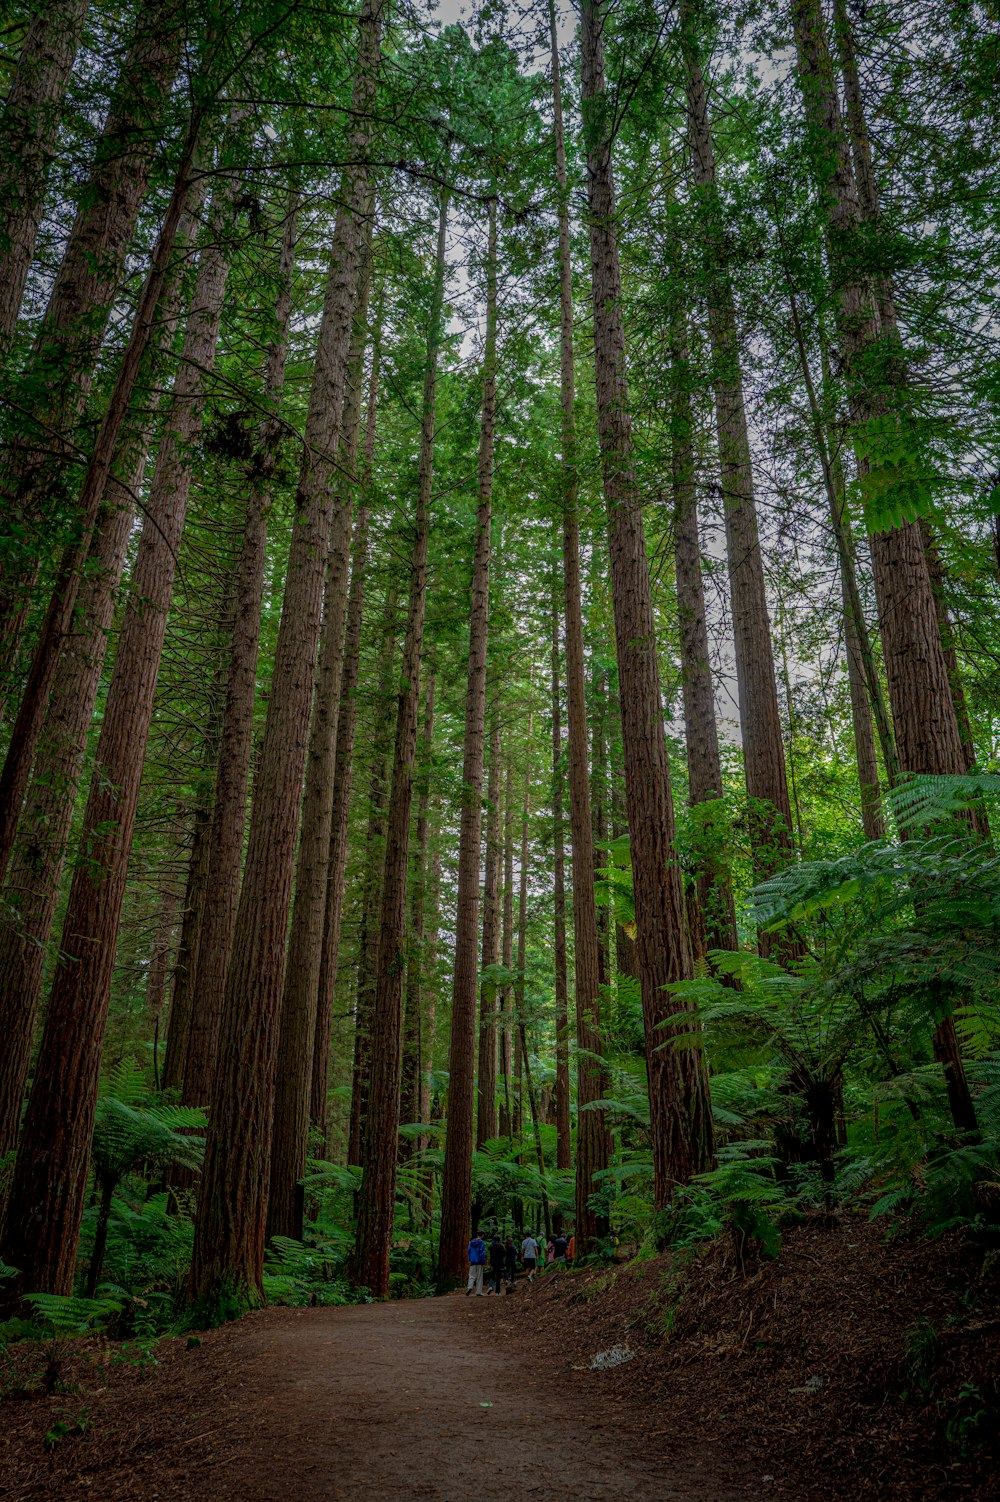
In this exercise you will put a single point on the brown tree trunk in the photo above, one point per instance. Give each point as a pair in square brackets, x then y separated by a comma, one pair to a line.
[716, 911]
[416, 961]
[564, 1152]
[378, 1185]
[60, 372]
[371, 885]
[346, 722]
[232, 1209]
[680, 1108]
[599, 809]
[456, 1184]
[505, 1120]
[760, 722]
[192, 915]
[59, 616]
[428, 1109]
[42, 1224]
[928, 739]
[29, 128]
[486, 1105]
[159, 967]
[290, 1139]
[592, 1137]
[236, 732]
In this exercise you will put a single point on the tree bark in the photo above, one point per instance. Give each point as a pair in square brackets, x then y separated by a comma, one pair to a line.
[236, 731]
[42, 1224]
[486, 1112]
[378, 1185]
[290, 1137]
[928, 738]
[456, 1184]
[592, 1137]
[564, 1152]
[680, 1108]
[343, 769]
[505, 1121]
[760, 721]
[715, 909]
[416, 962]
[192, 916]
[54, 388]
[29, 128]
[59, 616]
[232, 1209]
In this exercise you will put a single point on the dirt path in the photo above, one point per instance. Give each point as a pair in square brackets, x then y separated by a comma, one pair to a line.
[402, 1400]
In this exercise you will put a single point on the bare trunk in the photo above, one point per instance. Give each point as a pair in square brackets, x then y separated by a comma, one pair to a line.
[760, 722]
[54, 388]
[592, 1137]
[505, 1122]
[290, 1138]
[346, 722]
[716, 911]
[59, 616]
[371, 886]
[378, 1185]
[159, 967]
[232, 1209]
[486, 1113]
[680, 1109]
[416, 962]
[235, 740]
[928, 738]
[29, 128]
[46, 1202]
[192, 914]
[564, 1152]
[456, 1185]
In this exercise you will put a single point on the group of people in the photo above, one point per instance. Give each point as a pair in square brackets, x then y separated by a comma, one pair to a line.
[500, 1257]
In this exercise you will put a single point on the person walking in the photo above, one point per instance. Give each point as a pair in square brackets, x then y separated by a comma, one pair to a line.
[497, 1259]
[560, 1246]
[477, 1261]
[529, 1256]
[510, 1264]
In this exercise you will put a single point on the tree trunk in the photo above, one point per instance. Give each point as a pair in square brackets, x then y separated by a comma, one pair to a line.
[928, 739]
[760, 722]
[716, 911]
[46, 1202]
[192, 916]
[456, 1184]
[59, 616]
[346, 722]
[159, 967]
[236, 732]
[232, 1209]
[378, 1185]
[564, 1152]
[505, 1122]
[416, 962]
[599, 809]
[371, 886]
[486, 1113]
[290, 1139]
[592, 1137]
[29, 128]
[54, 388]
[680, 1108]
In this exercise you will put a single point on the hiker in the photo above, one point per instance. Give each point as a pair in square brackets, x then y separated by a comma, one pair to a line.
[571, 1249]
[560, 1246]
[510, 1264]
[497, 1259]
[477, 1261]
[529, 1255]
[550, 1253]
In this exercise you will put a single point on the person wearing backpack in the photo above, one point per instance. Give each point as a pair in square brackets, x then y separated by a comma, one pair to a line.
[477, 1262]
[497, 1259]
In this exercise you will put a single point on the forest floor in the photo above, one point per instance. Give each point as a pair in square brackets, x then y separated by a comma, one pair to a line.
[848, 1368]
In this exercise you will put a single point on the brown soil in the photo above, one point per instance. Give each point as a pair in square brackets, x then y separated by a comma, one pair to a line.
[404, 1400]
[802, 1378]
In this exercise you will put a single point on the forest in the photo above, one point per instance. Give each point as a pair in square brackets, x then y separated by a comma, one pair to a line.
[499, 651]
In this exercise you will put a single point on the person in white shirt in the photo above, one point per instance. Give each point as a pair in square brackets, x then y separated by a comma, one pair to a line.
[529, 1256]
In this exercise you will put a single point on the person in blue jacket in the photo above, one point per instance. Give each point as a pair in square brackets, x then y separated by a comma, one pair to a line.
[477, 1261]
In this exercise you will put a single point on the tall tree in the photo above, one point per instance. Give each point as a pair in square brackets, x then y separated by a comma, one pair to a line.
[680, 1108]
[44, 1210]
[456, 1185]
[486, 1103]
[232, 1209]
[378, 1184]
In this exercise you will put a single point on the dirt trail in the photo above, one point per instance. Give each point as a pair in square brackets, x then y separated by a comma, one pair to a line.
[379, 1401]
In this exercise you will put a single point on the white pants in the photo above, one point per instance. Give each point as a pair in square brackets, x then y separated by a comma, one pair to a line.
[475, 1278]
